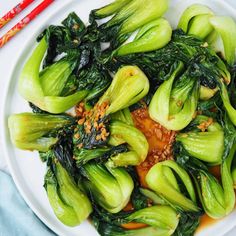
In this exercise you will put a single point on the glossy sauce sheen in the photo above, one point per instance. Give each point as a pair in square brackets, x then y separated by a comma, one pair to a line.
[160, 142]
[159, 139]
[206, 221]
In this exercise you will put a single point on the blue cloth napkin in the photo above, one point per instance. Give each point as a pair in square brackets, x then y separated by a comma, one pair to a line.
[16, 218]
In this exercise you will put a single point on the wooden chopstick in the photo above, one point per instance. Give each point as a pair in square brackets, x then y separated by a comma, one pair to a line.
[14, 11]
[25, 21]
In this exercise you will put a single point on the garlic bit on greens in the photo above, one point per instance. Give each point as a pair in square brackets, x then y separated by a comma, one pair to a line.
[97, 127]
[152, 177]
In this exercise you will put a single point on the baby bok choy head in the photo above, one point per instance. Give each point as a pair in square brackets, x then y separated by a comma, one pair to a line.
[175, 101]
[220, 31]
[45, 89]
[152, 36]
[217, 197]
[95, 128]
[128, 86]
[128, 16]
[31, 131]
[121, 133]
[195, 20]
[159, 221]
[69, 203]
[163, 217]
[204, 140]
[225, 28]
[111, 188]
[161, 179]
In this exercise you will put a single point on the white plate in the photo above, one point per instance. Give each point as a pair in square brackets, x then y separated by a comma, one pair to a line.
[27, 169]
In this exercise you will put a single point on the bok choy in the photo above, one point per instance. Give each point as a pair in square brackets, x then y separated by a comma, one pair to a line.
[138, 147]
[31, 131]
[159, 220]
[195, 20]
[111, 188]
[128, 16]
[225, 26]
[69, 203]
[152, 36]
[161, 179]
[38, 92]
[218, 199]
[128, 78]
[205, 131]
[175, 101]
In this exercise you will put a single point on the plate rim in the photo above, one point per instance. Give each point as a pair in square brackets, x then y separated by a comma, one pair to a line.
[5, 132]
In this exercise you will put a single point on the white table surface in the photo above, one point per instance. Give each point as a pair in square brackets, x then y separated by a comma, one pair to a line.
[10, 52]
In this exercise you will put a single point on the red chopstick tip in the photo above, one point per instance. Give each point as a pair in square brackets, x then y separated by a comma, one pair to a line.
[26, 20]
[14, 11]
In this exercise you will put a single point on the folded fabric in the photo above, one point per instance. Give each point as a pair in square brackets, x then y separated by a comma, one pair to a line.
[16, 218]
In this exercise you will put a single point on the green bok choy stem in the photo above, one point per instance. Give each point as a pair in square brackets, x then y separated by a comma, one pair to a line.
[174, 104]
[69, 203]
[152, 36]
[30, 131]
[163, 217]
[162, 180]
[121, 132]
[226, 101]
[123, 115]
[38, 92]
[49, 77]
[128, 78]
[130, 15]
[111, 188]
[217, 200]
[111, 8]
[207, 145]
[195, 21]
[160, 221]
[226, 29]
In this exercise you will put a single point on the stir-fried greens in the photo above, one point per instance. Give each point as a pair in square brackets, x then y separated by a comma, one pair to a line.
[151, 177]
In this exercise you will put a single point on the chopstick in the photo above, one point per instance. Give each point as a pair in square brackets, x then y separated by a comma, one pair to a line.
[25, 21]
[14, 11]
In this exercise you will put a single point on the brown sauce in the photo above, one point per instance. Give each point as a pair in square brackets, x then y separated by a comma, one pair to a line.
[159, 139]
[215, 170]
[206, 221]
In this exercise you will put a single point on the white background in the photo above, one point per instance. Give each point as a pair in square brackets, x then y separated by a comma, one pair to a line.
[10, 52]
